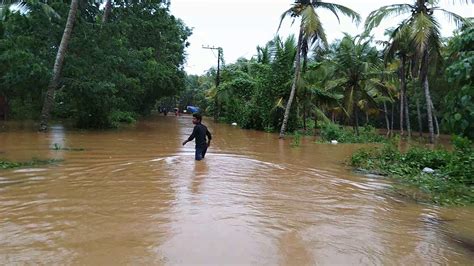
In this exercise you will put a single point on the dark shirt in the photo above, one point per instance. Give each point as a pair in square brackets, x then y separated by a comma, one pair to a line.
[200, 132]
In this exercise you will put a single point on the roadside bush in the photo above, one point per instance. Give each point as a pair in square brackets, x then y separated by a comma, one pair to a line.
[117, 117]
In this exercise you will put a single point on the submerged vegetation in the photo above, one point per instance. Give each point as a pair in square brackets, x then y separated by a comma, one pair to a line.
[447, 177]
[58, 147]
[367, 134]
[5, 164]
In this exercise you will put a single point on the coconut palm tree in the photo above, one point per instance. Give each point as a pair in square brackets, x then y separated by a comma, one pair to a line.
[310, 31]
[357, 71]
[58, 65]
[321, 98]
[425, 37]
[399, 50]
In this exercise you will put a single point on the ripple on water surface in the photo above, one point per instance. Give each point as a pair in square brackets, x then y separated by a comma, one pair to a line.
[140, 197]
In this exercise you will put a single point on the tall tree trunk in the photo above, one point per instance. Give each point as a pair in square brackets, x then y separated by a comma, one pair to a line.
[293, 86]
[107, 11]
[435, 117]
[303, 71]
[315, 122]
[407, 114]
[402, 93]
[4, 107]
[386, 118]
[219, 109]
[420, 123]
[304, 116]
[356, 120]
[58, 65]
[392, 119]
[426, 88]
[405, 100]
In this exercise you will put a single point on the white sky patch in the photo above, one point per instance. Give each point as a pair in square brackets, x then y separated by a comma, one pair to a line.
[238, 26]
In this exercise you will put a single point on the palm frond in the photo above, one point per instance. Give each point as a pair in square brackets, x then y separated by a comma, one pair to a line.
[349, 101]
[5, 6]
[310, 21]
[2, 12]
[382, 99]
[335, 9]
[337, 83]
[279, 104]
[211, 92]
[285, 14]
[399, 41]
[377, 16]
[458, 20]
[321, 36]
[49, 11]
[321, 114]
[425, 29]
[324, 95]
[460, 1]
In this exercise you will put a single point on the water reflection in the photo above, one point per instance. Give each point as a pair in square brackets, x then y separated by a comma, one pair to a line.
[201, 171]
[57, 141]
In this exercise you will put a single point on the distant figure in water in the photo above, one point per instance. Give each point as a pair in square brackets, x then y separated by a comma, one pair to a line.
[199, 133]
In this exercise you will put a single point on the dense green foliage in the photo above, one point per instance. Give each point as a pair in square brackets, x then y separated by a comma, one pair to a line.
[452, 181]
[347, 83]
[458, 104]
[251, 91]
[117, 70]
[367, 134]
[113, 71]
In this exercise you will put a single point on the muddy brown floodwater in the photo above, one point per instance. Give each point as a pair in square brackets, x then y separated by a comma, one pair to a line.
[136, 196]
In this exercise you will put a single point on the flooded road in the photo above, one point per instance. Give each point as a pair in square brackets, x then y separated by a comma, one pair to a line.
[136, 196]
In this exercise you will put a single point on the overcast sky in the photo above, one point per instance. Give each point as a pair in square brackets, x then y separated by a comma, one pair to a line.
[238, 26]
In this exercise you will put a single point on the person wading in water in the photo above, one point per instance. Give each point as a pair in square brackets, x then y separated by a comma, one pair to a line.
[199, 133]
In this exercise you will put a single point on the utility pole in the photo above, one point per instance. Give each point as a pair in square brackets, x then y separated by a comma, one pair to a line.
[216, 102]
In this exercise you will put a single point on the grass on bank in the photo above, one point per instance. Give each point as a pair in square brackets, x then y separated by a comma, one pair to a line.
[451, 183]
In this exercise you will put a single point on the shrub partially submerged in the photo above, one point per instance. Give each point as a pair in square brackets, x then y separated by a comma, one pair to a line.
[452, 181]
[367, 134]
